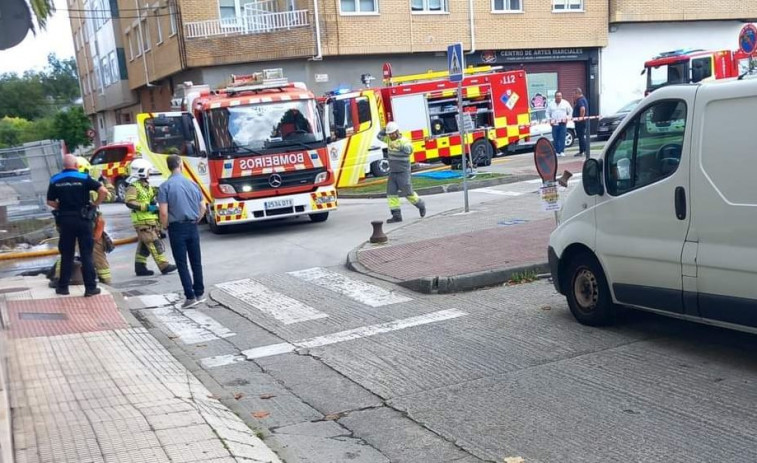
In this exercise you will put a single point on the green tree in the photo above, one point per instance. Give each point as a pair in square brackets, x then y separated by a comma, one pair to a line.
[60, 79]
[23, 96]
[16, 131]
[71, 126]
[43, 10]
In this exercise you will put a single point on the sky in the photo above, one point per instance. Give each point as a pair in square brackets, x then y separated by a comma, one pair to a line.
[32, 52]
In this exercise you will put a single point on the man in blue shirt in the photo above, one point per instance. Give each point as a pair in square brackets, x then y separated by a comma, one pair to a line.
[181, 207]
[580, 109]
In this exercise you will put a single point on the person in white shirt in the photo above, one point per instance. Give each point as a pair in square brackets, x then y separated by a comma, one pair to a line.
[558, 113]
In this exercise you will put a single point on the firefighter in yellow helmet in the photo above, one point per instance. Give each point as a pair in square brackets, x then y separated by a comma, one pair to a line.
[399, 151]
[142, 199]
[103, 243]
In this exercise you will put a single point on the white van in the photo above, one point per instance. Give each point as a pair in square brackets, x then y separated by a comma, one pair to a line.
[666, 220]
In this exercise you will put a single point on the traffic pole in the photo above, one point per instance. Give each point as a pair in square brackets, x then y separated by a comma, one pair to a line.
[461, 129]
[587, 135]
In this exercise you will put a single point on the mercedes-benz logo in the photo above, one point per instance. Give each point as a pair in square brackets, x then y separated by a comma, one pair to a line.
[275, 180]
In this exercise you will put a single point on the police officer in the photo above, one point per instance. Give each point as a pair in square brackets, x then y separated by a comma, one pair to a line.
[69, 196]
[399, 151]
[141, 198]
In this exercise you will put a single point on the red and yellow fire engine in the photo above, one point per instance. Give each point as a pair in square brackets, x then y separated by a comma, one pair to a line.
[686, 66]
[426, 108]
[257, 149]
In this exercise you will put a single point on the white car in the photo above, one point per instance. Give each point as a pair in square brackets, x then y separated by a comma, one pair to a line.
[542, 128]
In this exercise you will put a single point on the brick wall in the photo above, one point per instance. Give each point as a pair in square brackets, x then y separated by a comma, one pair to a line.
[680, 10]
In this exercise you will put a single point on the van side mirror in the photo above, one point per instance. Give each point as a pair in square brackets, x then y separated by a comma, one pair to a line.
[592, 177]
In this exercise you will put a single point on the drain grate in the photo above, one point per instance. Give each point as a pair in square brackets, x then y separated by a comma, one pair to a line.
[134, 283]
[12, 290]
[42, 316]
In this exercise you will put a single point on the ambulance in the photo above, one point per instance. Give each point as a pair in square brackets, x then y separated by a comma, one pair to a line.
[256, 148]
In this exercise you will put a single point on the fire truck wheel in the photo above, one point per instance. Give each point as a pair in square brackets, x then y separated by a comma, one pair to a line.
[481, 153]
[319, 217]
[214, 227]
[570, 138]
[380, 168]
[120, 187]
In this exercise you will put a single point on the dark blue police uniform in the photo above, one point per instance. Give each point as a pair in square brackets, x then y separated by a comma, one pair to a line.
[71, 189]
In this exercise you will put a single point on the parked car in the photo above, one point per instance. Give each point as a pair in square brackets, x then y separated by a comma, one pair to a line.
[540, 127]
[112, 163]
[665, 220]
[608, 124]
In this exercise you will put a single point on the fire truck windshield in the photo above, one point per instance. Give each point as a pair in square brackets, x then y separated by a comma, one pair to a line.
[266, 126]
[667, 74]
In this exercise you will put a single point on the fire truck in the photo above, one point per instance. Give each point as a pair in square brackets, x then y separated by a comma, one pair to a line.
[687, 66]
[495, 105]
[256, 148]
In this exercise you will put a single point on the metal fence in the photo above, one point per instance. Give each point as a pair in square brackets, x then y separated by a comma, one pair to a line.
[25, 173]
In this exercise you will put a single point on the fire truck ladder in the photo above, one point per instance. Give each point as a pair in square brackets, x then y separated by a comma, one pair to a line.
[437, 75]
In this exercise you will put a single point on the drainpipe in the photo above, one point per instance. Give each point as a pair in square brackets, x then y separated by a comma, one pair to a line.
[319, 49]
[472, 29]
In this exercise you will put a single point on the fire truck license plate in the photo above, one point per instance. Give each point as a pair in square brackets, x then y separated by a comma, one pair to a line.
[279, 204]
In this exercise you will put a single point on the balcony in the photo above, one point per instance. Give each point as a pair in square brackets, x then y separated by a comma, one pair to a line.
[257, 18]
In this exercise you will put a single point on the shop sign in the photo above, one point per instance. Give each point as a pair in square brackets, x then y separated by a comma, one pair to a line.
[541, 54]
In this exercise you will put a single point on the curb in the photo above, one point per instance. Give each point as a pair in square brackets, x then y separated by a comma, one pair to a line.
[447, 284]
[448, 188]
[6, 423]
[53, 252]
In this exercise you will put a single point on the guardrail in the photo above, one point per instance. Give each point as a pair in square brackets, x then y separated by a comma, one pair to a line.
[246, 25]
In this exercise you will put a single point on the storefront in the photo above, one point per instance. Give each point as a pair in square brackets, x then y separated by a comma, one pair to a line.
[549, 70]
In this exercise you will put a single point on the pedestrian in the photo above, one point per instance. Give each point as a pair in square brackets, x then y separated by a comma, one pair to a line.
[580, 110]
[181, 208]
[399, 151]
[141, 198]
[69, 196]
[558, 112]
[102, 242]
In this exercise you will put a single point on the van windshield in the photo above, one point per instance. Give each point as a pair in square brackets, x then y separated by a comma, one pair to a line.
[667, 74]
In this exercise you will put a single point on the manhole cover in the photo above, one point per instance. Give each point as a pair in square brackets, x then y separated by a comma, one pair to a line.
[134, 284]
[132, 293]
[42, 316]
[12, 290]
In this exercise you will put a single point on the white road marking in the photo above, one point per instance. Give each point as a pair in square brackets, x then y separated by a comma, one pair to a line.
[153, 300]
[342, 336]
[282, 308]
[493, 191]
[365, 293]
[191, 327]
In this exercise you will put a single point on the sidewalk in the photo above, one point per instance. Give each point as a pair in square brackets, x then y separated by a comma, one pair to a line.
[454, 251]
[88, 383]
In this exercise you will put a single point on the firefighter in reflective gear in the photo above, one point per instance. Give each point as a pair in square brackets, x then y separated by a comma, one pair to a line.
[103, 243]
[141, 198]
[399, 151]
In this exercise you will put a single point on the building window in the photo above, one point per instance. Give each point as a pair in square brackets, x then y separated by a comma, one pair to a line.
[158, 27]
[145, 36]
[172, 17]
[114, 73]
[507, 6]
[429, 6]
[567, 5]
[105, 69]
[359, 6]
[228, 8]
[137, 42]
[128, 35]
[85, 85]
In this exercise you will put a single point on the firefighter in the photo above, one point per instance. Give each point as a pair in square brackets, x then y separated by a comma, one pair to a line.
[399, 150]
[141, 198]
[103, 243]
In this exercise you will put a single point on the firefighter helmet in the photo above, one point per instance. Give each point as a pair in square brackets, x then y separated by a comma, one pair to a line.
[83, 164]
[140, 168]
[392, 127]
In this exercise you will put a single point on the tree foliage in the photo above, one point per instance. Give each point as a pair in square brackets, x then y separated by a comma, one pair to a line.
[71, 126]
[43, 10]
[38, 94]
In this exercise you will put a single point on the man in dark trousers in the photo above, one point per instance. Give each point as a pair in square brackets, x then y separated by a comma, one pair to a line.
[581, 109]
[181, 207]
[68, 195]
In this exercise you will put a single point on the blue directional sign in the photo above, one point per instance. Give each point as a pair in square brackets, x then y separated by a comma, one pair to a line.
[455, 62]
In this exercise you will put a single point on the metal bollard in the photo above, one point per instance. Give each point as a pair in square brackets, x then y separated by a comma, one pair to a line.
[378, 235]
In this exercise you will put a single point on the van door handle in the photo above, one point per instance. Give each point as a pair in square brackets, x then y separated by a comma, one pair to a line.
[680, 201]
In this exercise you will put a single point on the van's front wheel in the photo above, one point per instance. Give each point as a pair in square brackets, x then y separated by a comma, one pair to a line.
[588, 294]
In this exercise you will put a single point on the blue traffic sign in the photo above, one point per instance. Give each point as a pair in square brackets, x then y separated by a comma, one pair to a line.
[455, 62]
[748, 39]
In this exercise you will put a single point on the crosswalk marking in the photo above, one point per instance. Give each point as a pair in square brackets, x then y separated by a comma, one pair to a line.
[191, 326]
[493, 191]
[334, 338]
[360, 291]
[282, 308]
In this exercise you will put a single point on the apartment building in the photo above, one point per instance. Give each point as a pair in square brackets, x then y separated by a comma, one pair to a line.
[330, 44]
[103, 75]
[641, 29]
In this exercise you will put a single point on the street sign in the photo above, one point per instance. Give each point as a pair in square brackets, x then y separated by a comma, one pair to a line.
[455, 62]
[550, 197]
[467, 122]
[545, 159]
[91, 134]
[748, 39]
